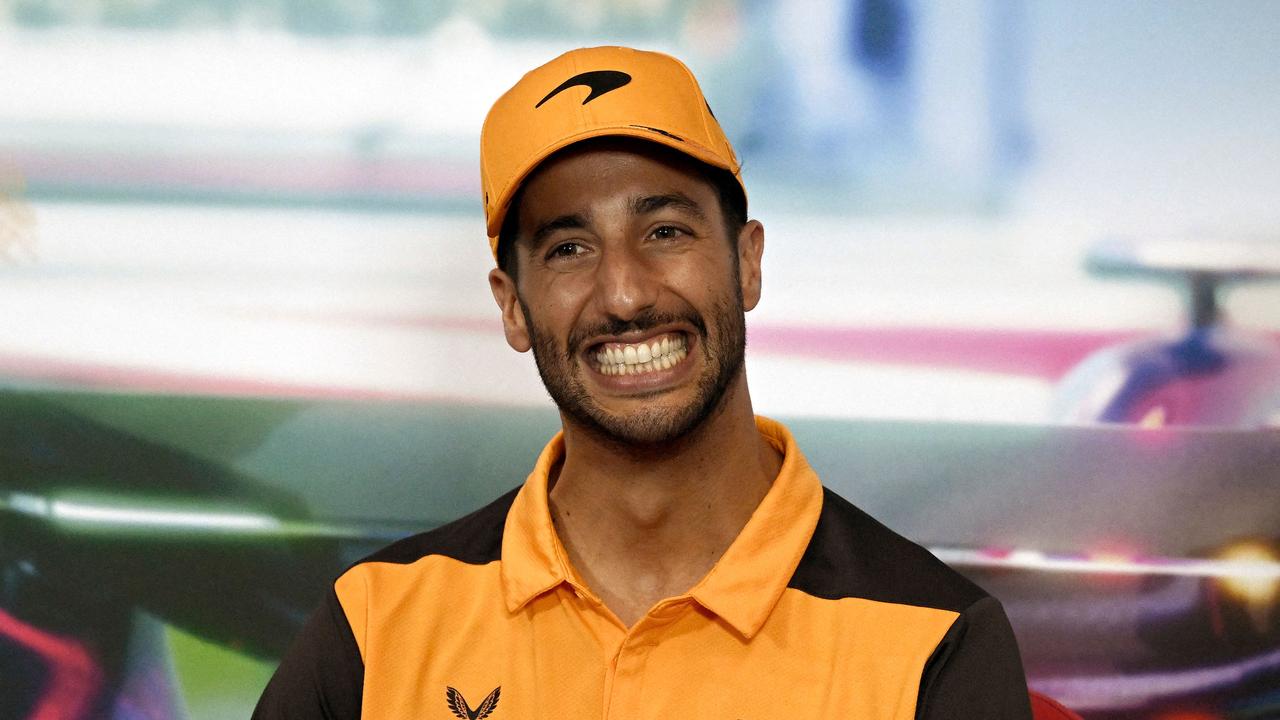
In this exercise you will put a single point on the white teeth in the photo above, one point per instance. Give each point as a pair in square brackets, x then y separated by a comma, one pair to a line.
[642, 358]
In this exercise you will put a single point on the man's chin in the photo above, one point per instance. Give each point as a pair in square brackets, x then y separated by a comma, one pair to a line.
[654, 424]
[641, 431]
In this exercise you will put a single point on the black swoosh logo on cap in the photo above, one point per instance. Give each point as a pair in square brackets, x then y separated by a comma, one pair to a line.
[673, 136]
[600, 82]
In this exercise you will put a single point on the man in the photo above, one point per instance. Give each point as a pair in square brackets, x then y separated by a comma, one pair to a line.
[671, 554]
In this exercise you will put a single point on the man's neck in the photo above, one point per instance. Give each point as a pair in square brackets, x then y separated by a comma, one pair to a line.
[640, 527]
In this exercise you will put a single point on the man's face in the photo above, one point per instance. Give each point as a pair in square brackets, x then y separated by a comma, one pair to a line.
[630, 293]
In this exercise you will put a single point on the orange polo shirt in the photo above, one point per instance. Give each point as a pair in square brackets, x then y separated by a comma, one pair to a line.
[815, 610]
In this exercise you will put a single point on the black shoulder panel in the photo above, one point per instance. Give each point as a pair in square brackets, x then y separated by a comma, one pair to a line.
[475, 539]
[853, 555]
[322, 674]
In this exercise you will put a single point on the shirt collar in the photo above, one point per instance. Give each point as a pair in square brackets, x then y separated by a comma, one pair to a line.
[749, 578]
[533, 560]
[743, 586]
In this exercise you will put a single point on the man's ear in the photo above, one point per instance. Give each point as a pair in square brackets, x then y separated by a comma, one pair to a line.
[513, 323]
[750, 251]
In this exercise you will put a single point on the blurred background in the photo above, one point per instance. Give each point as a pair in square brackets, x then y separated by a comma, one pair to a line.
[1020, 303]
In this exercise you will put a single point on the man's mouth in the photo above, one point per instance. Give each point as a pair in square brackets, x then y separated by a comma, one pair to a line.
[655, 354]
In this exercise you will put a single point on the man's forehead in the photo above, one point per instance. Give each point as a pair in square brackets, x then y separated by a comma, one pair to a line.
[634, 207]
[631, 179]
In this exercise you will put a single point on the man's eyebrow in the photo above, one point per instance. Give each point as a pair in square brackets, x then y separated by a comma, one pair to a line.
[677, 200]
[564, 222]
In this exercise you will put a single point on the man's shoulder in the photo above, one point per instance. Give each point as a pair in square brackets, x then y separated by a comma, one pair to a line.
[852, 555]
[475, 539]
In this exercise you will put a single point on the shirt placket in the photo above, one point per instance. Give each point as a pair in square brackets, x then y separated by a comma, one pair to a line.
[626, 674]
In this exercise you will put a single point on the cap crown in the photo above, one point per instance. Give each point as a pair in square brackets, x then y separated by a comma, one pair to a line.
[593, 92]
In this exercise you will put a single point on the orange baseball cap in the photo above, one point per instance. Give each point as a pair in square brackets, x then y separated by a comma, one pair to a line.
[587, 93]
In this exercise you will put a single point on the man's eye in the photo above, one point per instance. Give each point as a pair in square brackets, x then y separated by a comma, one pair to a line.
[568, 249]
[667, 232]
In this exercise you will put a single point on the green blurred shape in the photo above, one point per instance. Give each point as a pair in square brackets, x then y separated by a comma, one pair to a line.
[216, 681]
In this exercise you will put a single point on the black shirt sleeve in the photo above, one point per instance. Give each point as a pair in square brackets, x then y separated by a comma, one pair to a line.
[976, 671]
[322, 674]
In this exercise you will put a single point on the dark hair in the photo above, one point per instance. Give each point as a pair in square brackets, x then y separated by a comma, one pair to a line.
[733, 202]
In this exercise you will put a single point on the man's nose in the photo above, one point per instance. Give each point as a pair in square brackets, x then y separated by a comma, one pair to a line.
[625, 284]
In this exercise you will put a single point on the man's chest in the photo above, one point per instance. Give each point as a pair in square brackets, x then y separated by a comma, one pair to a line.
[555, 659]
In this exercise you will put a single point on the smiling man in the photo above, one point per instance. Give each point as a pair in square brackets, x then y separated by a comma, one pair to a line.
[671, 554]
